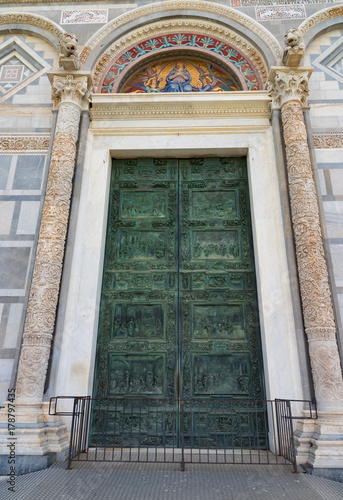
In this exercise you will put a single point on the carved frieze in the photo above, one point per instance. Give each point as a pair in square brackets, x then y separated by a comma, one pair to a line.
[328, 140]
[24, 143]
[319, 17]
[33, 20]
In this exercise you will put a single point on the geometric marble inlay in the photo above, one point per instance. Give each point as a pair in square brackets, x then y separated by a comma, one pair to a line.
[331, 60]
[11, 73]
[338, 65]
[19, 66]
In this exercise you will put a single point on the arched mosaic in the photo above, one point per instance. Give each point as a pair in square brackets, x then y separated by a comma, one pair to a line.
[208, 64]
[180, 74]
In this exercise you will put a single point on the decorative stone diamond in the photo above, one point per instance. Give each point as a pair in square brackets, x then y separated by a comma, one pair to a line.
[330, 61]
[11, 73]
[338, 66]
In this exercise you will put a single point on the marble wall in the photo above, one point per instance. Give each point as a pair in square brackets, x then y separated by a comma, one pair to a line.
[325, 54]
[25, 129]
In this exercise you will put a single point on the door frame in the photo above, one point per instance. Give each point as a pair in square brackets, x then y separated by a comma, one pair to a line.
[179, 126]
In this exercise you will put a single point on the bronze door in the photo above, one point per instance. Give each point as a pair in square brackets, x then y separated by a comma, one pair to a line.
[178, 314]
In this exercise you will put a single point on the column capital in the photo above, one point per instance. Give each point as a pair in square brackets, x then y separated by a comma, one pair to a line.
[70, 87]
[288, 84]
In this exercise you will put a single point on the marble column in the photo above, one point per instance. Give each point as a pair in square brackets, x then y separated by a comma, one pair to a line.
[37, 433]
[42, 305]
[288, 88]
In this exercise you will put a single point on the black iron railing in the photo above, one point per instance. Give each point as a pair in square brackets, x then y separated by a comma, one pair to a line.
[181, 431]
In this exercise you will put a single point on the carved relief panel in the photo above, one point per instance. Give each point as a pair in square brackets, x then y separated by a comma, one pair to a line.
[138, 337]
[220, 335]
[179, 308]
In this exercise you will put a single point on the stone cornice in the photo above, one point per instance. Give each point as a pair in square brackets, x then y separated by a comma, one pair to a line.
[195, 105]
[287, 84]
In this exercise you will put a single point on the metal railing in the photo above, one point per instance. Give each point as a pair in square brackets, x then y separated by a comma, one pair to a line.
[198, 431]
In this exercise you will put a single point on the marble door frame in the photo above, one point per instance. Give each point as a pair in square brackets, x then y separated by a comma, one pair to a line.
[133, 126]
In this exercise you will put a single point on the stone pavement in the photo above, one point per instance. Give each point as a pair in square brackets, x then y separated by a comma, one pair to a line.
[138, 481]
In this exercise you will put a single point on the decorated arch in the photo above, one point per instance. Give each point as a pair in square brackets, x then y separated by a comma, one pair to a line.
[180, 62]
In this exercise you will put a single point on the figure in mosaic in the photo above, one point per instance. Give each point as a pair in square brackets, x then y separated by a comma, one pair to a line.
[179, 79]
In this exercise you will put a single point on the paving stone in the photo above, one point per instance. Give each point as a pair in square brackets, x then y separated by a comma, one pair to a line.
[166, 482]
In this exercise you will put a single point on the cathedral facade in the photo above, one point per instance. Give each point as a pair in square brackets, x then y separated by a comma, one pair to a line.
[171, 179]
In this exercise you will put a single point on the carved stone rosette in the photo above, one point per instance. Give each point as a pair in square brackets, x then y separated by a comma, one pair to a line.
[289, 91]
[41, 309]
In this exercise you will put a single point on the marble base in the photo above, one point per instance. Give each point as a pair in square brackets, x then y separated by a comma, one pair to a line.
[28, 463]
[319, 443]
[36, 433]
[332, 474]
[327, 443]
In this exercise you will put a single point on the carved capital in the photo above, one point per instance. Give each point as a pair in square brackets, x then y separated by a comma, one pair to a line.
[69, 88]
[286, 84]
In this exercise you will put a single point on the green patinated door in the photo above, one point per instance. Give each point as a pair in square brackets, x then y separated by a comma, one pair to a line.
[179, 312]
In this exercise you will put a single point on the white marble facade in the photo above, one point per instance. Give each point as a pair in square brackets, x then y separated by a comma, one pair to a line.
[157, 125]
